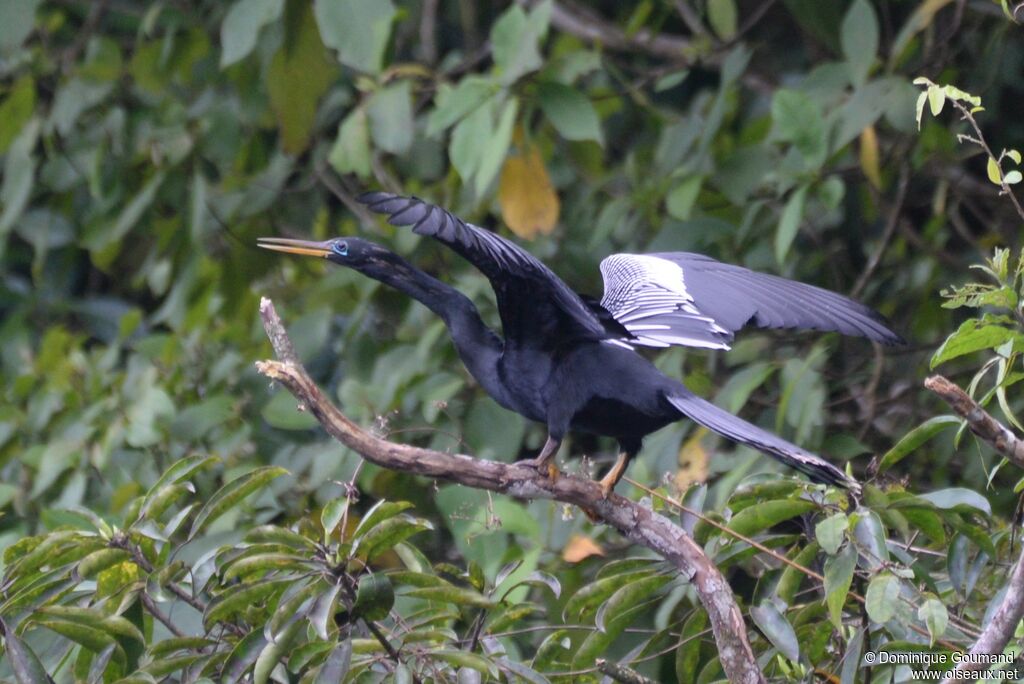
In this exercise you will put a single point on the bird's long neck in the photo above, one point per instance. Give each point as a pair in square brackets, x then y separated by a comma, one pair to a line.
[478, 346]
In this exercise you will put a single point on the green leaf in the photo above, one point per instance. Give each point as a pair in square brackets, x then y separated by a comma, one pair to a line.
[332, 514]
[451, 105]
[514, 41]
[114, 625]
[337, 664]
[96, 640]
[838, 576]
[378, 513]
[495, 148]
[17, 19]
[935, 616]
[466, 659]
[1013, 177]
[954, 497]
[858, 37]
[179, 471]
[24, 662]
[688, 651]
[449, 593]
[1014, 155]
[465, 149]
[789, 223]
[791, 578]
[351, 150]
[797, 119]
[911, 441]
[105, 234]
[298, 75]
[242, 26]
[358, 29]
[830, 532]
[237, 600]
[390, 112]
[682, 197]
[882, 596]
[244, 655]
[374, 597]
[611, 616]
[263, 562]
[273, 652]
[972, 335]
[17, 109]
[98, 561]
[19, 175]
[233, 493]
[279, 535]
[722, 18]
[587, 599]
[283, 413]
[572, 114]
[776, 628]
[754, 519]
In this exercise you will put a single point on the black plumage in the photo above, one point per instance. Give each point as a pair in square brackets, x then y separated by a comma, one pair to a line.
[568, 361]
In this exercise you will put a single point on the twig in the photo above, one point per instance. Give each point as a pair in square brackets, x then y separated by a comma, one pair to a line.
[890, 229]
[621, 673]
[980, 141]
[346, 198]
[155, 611]
[979, 420]
[428, 31]
[584, 24]
[637, 523]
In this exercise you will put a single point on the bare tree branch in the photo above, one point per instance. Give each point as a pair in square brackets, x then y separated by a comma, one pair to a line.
[979, 420]
[998, 632]
[584, 23]
[637, 523]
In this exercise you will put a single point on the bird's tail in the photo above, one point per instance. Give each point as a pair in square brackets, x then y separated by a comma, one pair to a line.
[739, 430]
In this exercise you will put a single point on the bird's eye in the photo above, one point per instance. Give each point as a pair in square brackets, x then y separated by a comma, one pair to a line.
[340, 248]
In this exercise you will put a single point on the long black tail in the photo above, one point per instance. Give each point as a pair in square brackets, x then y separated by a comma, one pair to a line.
[739, 430]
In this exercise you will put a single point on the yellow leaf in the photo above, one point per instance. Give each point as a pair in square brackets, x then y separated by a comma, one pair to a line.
[869, 156]
[529, 204]
[693, 461]
[993, 171]
[580, 547]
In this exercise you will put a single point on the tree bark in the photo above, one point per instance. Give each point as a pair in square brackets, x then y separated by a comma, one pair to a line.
[637, 523]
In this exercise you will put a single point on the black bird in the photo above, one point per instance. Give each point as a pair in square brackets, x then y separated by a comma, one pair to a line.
[569, 361]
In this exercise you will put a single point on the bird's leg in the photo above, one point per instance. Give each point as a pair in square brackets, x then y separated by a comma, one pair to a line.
[543, 461]
[613, 476]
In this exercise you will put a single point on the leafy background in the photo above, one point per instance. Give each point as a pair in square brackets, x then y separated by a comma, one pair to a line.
[147, 145]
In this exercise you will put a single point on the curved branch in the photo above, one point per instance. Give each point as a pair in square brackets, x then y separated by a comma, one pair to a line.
[637, 523]
[1001, 627]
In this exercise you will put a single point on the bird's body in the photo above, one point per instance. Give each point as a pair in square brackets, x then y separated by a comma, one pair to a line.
[568, 361]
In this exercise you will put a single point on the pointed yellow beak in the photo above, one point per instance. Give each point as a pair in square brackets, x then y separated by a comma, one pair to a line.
[304, 247]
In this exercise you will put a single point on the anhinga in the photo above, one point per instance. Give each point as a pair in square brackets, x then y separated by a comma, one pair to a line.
[569, 362]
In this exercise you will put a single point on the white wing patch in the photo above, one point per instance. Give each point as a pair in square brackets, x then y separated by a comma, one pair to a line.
[648, 296]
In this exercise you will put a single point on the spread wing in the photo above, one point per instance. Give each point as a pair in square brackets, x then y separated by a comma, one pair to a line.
[534, 303]
[689, 299]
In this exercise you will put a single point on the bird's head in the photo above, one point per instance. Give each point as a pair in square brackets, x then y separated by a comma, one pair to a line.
[347, 251]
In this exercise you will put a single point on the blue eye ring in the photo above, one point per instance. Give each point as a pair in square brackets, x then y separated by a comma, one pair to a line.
[340, 248]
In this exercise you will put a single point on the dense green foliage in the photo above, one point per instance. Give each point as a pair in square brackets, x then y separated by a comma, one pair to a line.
[166, 516]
